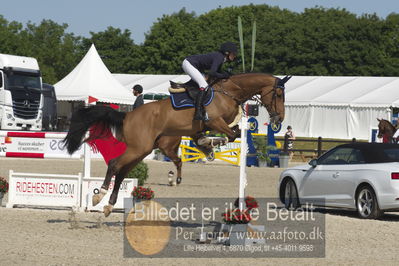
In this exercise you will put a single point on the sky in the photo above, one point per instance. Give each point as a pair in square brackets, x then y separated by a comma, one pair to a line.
[83, 16]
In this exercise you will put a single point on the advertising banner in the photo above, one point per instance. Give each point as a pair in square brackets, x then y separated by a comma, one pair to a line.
[44, 190]
[48, 146]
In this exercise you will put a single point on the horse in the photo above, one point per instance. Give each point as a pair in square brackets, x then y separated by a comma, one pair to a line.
[145, 126]
[386, 130]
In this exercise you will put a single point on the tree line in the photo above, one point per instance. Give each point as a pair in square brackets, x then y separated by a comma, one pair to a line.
[317, 41]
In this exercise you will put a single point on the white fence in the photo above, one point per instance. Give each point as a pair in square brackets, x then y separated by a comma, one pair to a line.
[53, 190]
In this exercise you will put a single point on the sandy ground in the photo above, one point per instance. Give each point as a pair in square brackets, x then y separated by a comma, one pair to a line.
[45, 237]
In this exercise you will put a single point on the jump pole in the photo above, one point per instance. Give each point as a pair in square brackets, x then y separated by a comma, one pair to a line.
[87, 155]
[243, 159]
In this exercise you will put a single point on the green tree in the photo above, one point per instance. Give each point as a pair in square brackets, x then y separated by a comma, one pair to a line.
[170, 39]
[53, 47]
[12, 37]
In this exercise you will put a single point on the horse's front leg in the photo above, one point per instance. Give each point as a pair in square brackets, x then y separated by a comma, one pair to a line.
[220, 125]
[237, 133]
[204, 144]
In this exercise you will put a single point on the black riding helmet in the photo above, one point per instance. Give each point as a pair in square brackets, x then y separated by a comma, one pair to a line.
[228, 47]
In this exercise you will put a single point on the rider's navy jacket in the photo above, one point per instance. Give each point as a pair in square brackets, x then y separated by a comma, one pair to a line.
[212, 62]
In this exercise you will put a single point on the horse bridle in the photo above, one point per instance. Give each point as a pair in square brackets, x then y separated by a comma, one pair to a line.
[257, 98]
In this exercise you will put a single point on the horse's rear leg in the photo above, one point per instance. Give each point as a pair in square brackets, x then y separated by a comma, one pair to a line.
[170, 148]
[123, 165]
[104, 188]
[114, 196]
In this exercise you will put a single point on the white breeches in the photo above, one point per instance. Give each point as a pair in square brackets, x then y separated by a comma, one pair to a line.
[194, 74]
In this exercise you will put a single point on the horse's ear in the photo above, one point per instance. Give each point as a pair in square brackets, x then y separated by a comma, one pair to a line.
[285, 79]
[379, 120]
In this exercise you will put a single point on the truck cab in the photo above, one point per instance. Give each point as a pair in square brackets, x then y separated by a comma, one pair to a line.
[21, 99]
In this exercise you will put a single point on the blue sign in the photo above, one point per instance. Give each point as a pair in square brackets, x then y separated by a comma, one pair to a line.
[252, 158]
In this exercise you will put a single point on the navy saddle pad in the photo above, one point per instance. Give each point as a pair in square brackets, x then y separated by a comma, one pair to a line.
[183, 99]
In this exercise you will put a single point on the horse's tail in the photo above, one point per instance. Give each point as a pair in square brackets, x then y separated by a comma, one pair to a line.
[84, 118]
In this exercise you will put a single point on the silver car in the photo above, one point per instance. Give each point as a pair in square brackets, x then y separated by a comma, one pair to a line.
[360, 176]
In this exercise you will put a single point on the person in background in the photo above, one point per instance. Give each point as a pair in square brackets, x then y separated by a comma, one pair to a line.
[291, 137]
[137, 91]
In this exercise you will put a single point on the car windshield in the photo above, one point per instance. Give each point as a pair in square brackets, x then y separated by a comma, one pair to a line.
[21, 80]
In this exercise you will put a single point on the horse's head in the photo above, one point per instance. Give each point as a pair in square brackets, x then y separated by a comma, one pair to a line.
[273, 99]
[385, 127]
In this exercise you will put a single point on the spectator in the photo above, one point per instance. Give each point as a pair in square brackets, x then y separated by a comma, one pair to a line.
[137, 91]
[290, 137]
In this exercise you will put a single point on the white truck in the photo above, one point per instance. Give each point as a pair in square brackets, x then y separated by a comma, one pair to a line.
[21, 99]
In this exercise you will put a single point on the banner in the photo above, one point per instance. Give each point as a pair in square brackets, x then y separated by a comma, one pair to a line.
[44, 190]
[50, 146]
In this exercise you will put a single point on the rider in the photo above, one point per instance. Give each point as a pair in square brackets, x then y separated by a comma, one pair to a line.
[195, 65]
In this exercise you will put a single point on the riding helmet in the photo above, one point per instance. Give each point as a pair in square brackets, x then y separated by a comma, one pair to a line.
[138, 88]
[228, 47]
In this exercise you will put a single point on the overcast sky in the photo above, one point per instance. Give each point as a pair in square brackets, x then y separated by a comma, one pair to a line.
[84, 16]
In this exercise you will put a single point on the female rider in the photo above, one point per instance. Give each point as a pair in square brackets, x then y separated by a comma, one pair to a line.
[195, 65]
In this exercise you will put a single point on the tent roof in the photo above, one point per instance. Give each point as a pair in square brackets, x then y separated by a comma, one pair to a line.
[91, 78]
[302, 90]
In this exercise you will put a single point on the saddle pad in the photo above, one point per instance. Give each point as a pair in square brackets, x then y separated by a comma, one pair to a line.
[183, 100]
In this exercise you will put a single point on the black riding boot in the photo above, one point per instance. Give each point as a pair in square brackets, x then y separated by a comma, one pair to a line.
[199, 106]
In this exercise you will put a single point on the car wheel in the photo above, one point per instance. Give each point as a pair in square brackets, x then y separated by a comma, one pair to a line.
[366, 203]
[291, 200]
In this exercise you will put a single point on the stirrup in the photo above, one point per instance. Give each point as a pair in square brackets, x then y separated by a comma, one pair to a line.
[206, 117]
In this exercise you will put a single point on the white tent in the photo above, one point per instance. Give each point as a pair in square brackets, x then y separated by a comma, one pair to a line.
[91, 78]
[331, 107]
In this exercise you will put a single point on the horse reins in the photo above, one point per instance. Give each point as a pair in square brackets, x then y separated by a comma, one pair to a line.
[254, 98]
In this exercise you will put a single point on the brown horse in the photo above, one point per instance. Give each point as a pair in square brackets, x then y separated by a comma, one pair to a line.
[141, 129]
[386, 130]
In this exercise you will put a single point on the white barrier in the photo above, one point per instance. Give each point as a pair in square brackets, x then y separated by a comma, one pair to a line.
[44, 190]
[53, 190]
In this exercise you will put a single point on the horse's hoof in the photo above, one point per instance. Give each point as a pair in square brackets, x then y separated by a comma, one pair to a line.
[178, 180]
[96, 199]
[211, 156]
[107, 210]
